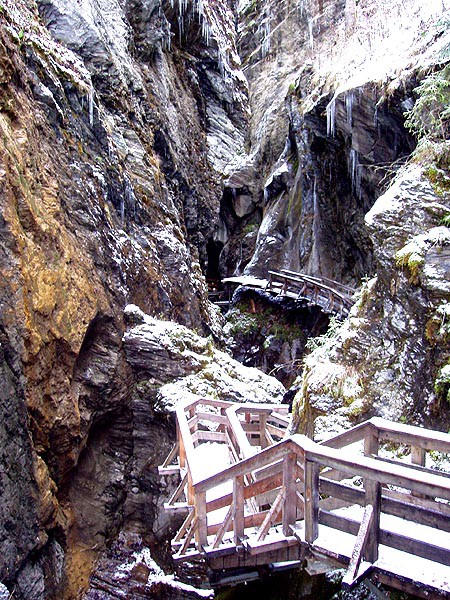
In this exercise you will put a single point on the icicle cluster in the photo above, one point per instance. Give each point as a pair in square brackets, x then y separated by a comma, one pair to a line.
[331, 117]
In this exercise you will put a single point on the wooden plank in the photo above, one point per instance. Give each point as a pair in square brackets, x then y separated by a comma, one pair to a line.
[208, 436]
[245, 449]
[246, 466]
[396, 540]
[311, 496]
[273, 430]
[412, 435]
[270, 545]
[289, 483]
[211, 417]
[355, 434]
[177, 507]
[407, 585]
[172, 470]
[401, 505]
[395, 474]
[351, 575]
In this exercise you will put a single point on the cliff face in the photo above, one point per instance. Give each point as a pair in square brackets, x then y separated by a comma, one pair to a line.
[110, 189]
[146, 144]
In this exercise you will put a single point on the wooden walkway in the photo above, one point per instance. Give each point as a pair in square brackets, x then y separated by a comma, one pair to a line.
[332, 297]
[252, 496]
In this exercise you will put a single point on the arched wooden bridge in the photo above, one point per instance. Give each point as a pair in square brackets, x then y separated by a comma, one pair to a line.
[332, 297]
[253, 496]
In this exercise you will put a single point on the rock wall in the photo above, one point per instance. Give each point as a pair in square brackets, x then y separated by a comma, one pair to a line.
[110, 186]
[329, 83]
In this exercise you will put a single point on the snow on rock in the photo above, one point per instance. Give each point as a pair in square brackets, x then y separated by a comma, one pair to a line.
[185, 365]
[129, 570]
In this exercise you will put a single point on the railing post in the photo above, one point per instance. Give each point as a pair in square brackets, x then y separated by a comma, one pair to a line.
[290, 501]
[311, 501]
[238, 509]
[373, 497]
[181, 450]
[418, 456]
[262, 430]
[371, 442]
[202, 523]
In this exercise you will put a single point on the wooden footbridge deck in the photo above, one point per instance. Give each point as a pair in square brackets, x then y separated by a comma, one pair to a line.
[252, 496]
[332, 297]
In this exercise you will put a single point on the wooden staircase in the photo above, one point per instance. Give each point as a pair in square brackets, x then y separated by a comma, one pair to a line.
[252, 496]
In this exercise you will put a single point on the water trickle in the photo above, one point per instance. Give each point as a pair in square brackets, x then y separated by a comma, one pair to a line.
[331, 117]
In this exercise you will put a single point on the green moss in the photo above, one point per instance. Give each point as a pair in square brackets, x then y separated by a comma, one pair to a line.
[442, 382]
[438, 179]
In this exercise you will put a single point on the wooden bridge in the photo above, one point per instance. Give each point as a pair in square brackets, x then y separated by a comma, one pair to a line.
[332, 297]
[252, 496]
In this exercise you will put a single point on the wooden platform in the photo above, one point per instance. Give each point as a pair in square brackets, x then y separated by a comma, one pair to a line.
[254, 496]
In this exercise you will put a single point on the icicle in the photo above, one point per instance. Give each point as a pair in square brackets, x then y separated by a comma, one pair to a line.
[355, 172]
[91, 105]
[311, 35]
[180, 26]
[265, 46]
[331, 117]
[265, 196]
[349, 101]
[206, 32]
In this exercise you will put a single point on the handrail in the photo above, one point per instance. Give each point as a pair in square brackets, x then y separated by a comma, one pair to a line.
[370, 468]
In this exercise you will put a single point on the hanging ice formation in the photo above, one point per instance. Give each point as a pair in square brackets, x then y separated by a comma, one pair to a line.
[265, 45]
[331, 117]
[91, 104]
[349, 102]
[311, 35]
[355, 172]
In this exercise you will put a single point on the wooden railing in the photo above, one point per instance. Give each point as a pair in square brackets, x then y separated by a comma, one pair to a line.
[331, 296]
[283, 494]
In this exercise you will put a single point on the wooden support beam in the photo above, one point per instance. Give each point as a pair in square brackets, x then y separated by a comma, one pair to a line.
[180, 489]
[238, 509]
[223, 528]
[311, 496]
[373, 499]
[184, 527]
[352, 576]
[202, 520]
[271, 515]
[289, 484]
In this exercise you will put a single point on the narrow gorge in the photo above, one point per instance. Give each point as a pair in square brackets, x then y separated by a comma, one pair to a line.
[151, 149]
